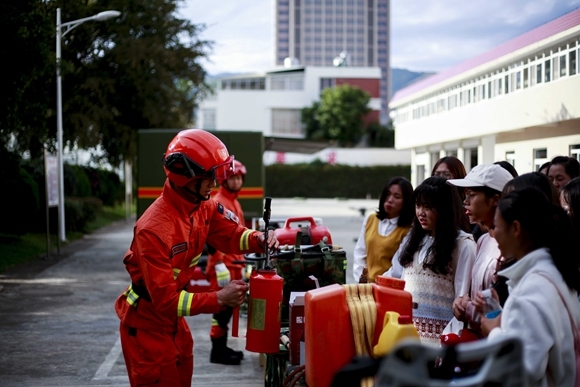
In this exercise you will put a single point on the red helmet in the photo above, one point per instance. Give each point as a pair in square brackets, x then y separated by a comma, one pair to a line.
[194, 154]
[239, 169]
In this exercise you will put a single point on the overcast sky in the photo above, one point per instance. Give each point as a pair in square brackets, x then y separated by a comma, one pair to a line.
[426, 35]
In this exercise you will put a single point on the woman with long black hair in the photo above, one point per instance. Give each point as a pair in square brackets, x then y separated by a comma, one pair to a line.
[436, 257]
[542, 308]
[382, 231]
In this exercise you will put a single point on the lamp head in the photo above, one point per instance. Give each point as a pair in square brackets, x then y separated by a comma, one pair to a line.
[102, 16]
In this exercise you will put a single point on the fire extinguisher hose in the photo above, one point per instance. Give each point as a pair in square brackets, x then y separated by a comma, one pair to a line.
[363, 315]
[294, 376]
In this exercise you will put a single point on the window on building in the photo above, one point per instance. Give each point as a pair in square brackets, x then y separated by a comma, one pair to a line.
[540, 157]
[526, 77]
[295, 83]
[510, 157]
[575, 151]
[539, 73]
[563, 65]
[572, 56]
[547, 70]
[499, 86]
[434, 156]
[208, 119]
[555, 72]
[506, 81]
[472, 158]
[278, 84]
[420, 173]
[286, 122]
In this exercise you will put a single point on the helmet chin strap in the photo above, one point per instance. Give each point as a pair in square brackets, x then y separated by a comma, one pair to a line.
[196, 193]
[188, 194]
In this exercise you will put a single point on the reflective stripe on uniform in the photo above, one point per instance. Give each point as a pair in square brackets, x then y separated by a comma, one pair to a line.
[184, 304]
[132, 297]
[245, 240]
[176, 272]
[195, 261]
[214, 322]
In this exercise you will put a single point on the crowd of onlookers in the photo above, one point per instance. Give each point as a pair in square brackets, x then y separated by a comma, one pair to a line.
[457, 234]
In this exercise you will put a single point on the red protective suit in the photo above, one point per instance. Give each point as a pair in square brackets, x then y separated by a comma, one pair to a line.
[221, 319]
[230, 201]
[167, 244]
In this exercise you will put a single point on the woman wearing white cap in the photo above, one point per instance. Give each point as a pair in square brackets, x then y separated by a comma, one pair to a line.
[483, 186]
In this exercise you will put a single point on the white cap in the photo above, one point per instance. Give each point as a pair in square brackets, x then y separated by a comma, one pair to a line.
[484, 175]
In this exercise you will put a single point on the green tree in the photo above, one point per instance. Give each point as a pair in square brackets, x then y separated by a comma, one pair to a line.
[28, 87]
[339, 115]
[143, 72]
[138, 71]
[381, 136]
[310, 122]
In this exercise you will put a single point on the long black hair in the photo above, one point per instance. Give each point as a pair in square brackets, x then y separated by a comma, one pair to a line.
[532, 179]
[545, 225]
[443, 199]
[571, 194]
[408, 211]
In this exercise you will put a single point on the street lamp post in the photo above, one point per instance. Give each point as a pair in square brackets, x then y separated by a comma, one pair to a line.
[59, 145]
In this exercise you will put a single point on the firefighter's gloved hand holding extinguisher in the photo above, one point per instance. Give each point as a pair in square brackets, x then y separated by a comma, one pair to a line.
[234, 294]
[273, 242]
[223, 275]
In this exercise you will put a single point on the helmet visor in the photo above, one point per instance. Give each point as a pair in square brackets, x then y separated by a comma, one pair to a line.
[225, 170]
[180, 164]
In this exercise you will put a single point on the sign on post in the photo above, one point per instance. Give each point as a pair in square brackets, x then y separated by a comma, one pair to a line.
[51, 173]
[51, 181]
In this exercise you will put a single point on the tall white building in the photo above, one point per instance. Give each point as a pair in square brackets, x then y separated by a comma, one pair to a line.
[316, 31]
[519, 102]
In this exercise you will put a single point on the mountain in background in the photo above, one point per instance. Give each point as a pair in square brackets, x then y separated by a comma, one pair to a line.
[402, 78]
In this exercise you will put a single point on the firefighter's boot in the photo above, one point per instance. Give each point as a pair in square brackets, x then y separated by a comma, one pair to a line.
[222, 354]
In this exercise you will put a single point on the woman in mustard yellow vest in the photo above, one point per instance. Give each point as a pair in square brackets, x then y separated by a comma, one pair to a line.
[382, 231]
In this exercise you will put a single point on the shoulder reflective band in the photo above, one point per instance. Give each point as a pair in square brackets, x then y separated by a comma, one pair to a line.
[184, 305]
[245, 240]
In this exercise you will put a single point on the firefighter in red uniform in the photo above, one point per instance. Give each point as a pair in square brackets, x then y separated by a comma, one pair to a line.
[168, 241]
[221, 269]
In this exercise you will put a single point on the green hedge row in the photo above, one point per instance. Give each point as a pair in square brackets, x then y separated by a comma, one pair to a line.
[23, 195]
[322, 180]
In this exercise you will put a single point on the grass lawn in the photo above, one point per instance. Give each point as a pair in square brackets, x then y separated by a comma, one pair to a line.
[15, 250]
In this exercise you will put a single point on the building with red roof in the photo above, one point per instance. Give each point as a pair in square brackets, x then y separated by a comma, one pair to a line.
[518, 102]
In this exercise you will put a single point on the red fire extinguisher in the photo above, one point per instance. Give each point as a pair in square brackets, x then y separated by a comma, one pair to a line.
[264, 312]
[264, 304]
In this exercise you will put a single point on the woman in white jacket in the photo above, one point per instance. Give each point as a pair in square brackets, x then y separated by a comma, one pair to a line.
[542, 308]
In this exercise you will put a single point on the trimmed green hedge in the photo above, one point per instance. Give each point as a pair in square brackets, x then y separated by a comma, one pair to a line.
[23, 195]
[321, 180]
[80, 211]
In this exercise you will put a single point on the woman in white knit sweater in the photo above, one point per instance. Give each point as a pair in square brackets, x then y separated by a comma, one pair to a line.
[436, 257]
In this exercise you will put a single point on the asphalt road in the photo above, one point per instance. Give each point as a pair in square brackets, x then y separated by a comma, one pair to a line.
[58, 326]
